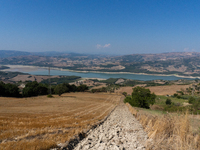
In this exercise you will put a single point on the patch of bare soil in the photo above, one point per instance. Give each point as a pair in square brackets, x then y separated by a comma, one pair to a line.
[179, 69]
[119, 81]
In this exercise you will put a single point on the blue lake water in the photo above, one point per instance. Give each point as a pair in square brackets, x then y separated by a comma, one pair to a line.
[42, 71]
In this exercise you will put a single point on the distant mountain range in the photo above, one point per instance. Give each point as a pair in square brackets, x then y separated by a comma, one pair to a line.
[13, 53]
[179, 63]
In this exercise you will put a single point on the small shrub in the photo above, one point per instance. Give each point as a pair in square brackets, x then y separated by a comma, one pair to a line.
[94, 90]
[191, 100]
[181, 92]
[124, 93]
[175, 94]
[168, 101]
[49, 96]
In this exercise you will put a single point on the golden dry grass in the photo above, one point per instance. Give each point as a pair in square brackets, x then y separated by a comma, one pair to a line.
[41, 122]
[168, 89]
[168, 131]
[158, 90]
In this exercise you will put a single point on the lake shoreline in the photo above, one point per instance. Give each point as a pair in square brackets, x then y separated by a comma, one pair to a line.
[28, 67]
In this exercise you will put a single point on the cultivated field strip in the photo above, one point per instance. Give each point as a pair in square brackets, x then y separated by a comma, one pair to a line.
[27, 126]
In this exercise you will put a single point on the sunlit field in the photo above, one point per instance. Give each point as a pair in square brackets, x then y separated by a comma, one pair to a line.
[41, 122]
[178, 131]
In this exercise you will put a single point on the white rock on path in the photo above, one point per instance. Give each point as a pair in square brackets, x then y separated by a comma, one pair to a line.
[121, 131]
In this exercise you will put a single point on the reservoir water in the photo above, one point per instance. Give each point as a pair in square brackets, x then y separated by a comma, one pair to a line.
[44, 71]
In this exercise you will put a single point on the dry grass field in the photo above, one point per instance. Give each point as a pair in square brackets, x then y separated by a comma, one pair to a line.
[158, 90]
[37, 78]
[41, 122]
[168, 89]
[169, 131]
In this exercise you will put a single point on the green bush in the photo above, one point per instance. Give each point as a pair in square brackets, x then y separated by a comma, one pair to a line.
[141, 97]
[124, 93]
[181, 92]
[191, 100]
[9, 90]
[34, 89]
[196, 104]
[175, 94]
[82, 88]
[60, 89]
[168, 101]
[49, 96]
[127, 99]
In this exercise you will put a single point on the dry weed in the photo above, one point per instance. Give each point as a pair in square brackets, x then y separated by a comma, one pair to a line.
[168, 131]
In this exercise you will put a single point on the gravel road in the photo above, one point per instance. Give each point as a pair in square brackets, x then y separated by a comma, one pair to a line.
[121, 131]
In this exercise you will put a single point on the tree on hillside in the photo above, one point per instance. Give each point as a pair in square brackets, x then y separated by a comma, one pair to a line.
[42, 89]
[2, 88]
[82, 88]
[60, 89]
[34, 89]
[9, 90]
[141, 97]
[73, 88]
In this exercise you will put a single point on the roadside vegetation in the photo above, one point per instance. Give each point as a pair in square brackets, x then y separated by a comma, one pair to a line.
[141, 97]
[167, 131]
[172, 121]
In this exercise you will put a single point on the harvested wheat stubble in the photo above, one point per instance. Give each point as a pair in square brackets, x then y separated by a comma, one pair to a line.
[41, 122]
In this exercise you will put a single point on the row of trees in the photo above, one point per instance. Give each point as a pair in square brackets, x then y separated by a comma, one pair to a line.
[34, 89]
[9, 90]
[65, 88]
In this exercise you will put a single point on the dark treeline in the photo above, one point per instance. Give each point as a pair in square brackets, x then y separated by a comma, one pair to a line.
[34, 89]
[9, 90]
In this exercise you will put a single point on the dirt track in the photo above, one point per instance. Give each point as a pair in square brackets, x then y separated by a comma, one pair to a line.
[121, 131]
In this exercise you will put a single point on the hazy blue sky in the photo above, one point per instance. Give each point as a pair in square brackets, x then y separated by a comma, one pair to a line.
[100, 26]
